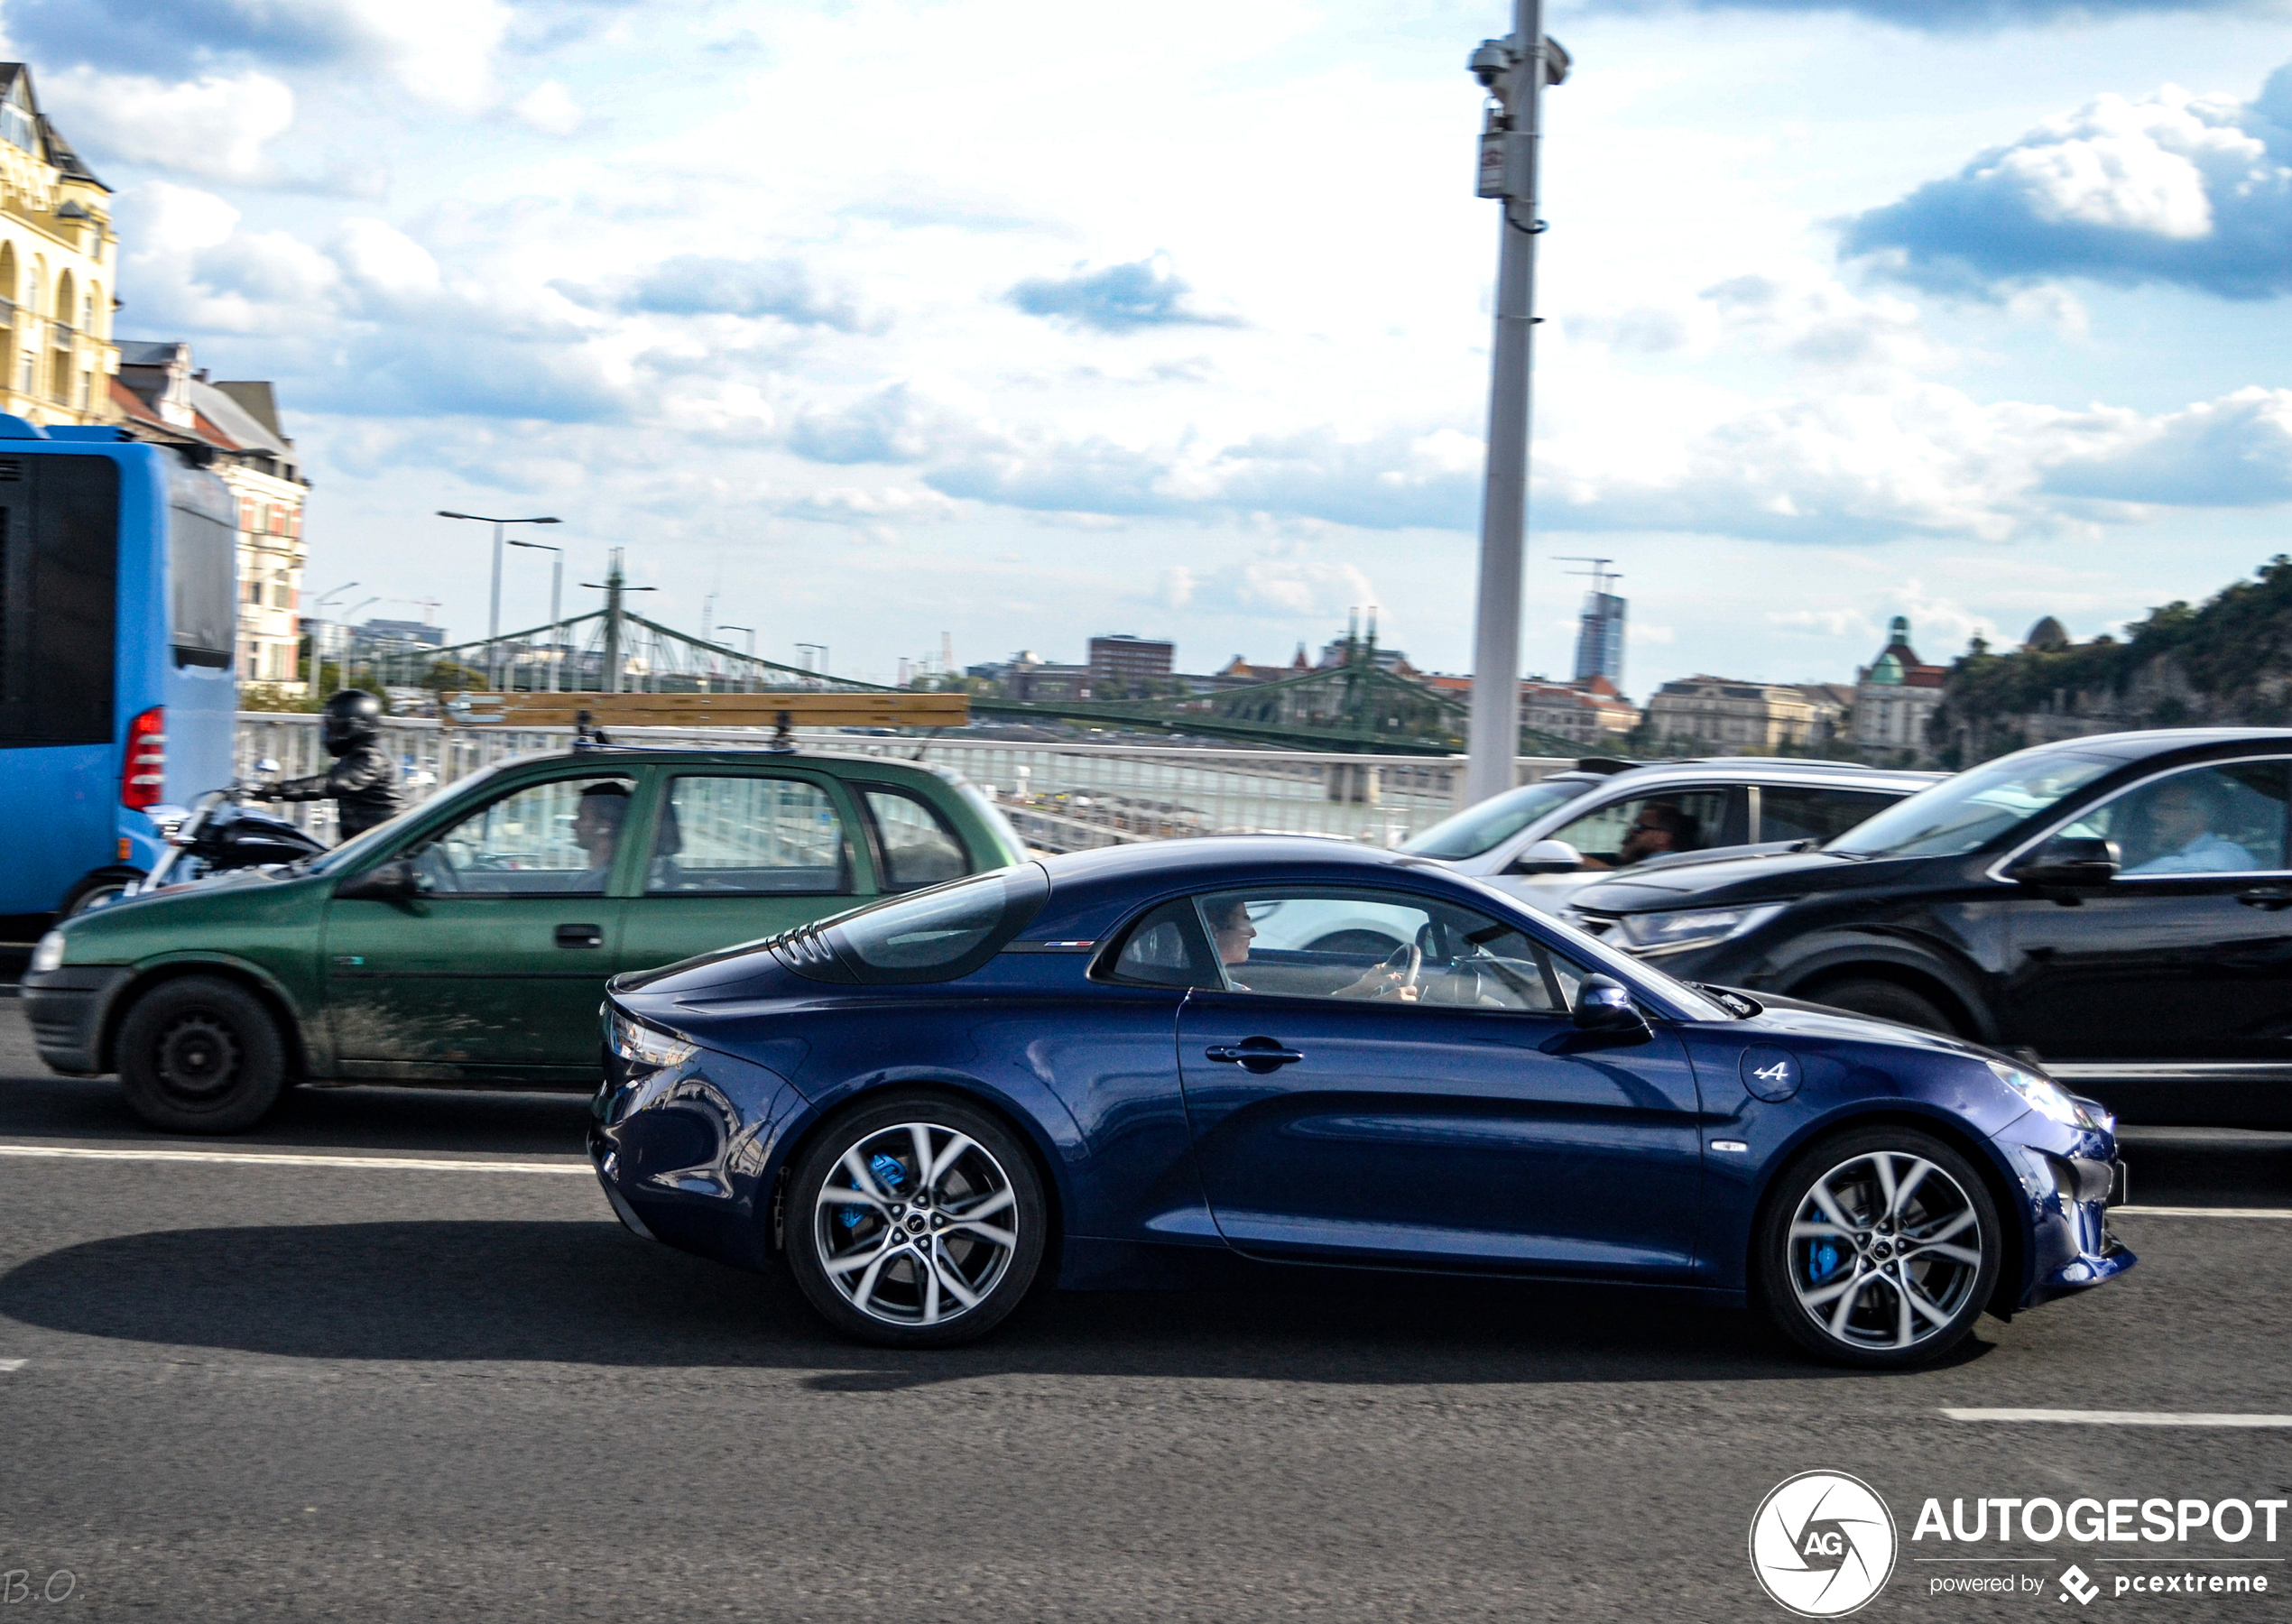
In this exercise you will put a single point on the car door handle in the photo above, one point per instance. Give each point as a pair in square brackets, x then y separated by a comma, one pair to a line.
[1259, 1054]
[2270, 897]
[581, 936]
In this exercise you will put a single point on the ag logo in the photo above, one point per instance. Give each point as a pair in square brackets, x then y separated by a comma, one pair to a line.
[1771, 1073]
[1822, 1543]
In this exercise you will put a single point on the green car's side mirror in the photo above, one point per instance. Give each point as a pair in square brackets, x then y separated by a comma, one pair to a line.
[393, 881]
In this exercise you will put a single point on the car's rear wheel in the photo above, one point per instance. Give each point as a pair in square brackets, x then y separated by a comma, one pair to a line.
[201, 1055]
[915, 1221]
[1888, 1001]
[1878, 1248]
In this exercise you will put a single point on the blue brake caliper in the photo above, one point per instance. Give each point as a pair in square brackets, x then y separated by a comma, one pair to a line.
[888, 1173]
[1822, 1261]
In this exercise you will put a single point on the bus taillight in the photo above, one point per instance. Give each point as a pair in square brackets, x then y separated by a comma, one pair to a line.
[144, 770]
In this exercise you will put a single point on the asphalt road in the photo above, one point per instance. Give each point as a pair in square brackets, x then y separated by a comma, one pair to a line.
[339, 1391]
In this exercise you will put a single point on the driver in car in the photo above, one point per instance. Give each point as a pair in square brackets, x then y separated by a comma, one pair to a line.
[2182, 813]
[597, 830]
[1661, 828]
[1230, 926]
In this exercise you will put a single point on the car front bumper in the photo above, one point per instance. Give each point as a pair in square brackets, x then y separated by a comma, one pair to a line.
[67, 1008]
[2068, 1179]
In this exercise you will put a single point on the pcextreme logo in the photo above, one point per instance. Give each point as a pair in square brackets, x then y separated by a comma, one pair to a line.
[1822, 1543]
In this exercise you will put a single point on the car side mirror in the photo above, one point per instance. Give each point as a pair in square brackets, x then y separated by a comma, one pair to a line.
[1546, 857]
[2069, 859]
[393, 881]
[1604, 1004]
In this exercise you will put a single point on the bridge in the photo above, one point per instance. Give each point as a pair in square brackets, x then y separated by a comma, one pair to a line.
[1356, 706]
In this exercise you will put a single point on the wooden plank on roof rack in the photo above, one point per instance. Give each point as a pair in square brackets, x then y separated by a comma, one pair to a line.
[827, 708]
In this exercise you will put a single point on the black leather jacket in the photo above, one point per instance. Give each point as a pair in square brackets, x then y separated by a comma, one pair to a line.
[363, 785]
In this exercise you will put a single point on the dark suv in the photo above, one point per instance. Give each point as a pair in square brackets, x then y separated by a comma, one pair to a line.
[2120, 906]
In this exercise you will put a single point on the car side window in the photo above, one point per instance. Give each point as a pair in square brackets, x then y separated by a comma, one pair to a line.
[1315, 943]
[557, 838]
[1166, 948]
[1632, 830]
[917, 846]
[748, 835]
[2205, 820]
[1789, 812]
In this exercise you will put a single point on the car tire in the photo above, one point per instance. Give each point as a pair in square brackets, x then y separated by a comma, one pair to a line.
[1896, 1286]
[201, 1055]
[886, 1267]
[1887, 1000]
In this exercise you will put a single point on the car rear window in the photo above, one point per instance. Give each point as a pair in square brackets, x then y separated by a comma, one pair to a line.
[940, 933]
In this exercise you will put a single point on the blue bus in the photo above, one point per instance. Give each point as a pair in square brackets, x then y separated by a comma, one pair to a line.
[118, 600]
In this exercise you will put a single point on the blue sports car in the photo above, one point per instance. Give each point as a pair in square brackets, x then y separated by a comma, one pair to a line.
[1116, 1063]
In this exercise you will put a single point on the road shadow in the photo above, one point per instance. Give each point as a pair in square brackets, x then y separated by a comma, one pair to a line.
[592, 1294]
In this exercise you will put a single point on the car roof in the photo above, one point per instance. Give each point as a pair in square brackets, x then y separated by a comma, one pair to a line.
[1771, 770]
[2161, 740]
[599, 757]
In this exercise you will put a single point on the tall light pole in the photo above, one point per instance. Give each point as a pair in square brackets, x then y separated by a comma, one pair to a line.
[557, 599]
[494, 617]
[823, 655]
[1514, 73]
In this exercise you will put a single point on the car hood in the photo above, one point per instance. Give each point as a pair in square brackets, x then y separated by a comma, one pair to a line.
[1776, 876]
[1780, 1014]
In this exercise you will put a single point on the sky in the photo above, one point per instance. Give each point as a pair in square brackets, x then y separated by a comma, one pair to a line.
[1015, 322]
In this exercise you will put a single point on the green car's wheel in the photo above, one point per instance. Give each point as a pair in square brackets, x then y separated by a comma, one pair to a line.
[201, 1055]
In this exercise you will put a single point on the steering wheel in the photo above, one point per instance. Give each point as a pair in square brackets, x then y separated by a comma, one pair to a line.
[1407, 963]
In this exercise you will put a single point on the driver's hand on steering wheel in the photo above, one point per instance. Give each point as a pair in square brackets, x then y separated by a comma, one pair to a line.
[1395, 978]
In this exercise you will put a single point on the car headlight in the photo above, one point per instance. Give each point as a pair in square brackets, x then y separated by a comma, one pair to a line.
[643, 1045]
[1652, 935]
[50, 953]
[2043, 1095]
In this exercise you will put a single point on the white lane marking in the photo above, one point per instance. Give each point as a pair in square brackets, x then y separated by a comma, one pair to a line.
[269, 1158]
[7, 1365]
[2158, 1211]
[2121, 1418]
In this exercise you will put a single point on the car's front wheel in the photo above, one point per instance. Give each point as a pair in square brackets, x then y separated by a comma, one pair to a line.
[915, 1221]
[1879, 1248]
[201, 1055]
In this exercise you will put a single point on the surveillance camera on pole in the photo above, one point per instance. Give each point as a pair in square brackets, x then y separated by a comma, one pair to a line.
[1513, 72]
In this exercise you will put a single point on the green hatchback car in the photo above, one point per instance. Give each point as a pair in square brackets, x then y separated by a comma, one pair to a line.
[468, 942]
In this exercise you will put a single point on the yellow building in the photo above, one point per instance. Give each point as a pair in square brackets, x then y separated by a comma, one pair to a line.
[58, 261]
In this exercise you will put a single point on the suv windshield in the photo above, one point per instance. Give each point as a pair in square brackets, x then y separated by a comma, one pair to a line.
[1476, 829]
[1966, 813]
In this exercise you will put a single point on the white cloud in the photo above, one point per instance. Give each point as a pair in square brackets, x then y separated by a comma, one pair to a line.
[550, 109]
[216, 126]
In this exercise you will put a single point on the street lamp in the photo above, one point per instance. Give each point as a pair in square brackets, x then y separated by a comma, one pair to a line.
[494, 617]
[1514, 71]
[823, 656]
[557, 595]
[752, 637]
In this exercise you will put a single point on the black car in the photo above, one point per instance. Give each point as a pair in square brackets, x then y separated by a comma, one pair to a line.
[2119, 908]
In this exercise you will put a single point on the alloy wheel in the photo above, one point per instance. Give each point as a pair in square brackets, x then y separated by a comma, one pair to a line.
[917, 1226]
[1885, 1249]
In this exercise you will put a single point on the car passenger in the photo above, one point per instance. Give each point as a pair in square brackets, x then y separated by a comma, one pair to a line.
[2181, 815]
[1231, 929]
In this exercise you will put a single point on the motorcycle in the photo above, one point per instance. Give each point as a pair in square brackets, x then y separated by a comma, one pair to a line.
[221, 832]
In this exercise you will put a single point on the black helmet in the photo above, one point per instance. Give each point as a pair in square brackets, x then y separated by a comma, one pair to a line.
[353, 717]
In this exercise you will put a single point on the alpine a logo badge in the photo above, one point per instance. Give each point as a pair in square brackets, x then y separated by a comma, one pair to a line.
[1822, 1543]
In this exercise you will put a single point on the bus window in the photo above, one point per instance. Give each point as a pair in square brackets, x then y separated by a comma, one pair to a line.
[202, 562]
[59, 611]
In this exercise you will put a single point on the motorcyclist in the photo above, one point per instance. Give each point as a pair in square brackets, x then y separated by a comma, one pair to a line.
[363, 782]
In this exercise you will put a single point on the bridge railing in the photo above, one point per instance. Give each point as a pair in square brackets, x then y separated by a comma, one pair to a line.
[1061, 797]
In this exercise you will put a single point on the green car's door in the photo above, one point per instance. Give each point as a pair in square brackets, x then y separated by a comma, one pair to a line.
[497, 969]
[737, 852]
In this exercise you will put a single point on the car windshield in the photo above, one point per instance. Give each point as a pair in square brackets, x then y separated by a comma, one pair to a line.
[1480, 828]
[1966, 813]
[351, 851]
